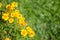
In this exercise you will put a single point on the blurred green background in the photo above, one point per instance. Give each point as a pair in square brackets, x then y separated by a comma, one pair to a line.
[43, 16]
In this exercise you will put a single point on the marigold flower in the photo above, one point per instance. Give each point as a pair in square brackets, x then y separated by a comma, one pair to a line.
[24, 24]
[0, 5]
[31, 34]
[20, 21]
[28, 29]
[7, 39]
[23, 32]
[11, 20]
[13, 14]
[12, 7]
[8, 6]
[14, 4]
[22, 18]
[5, 16]
[19, 16]
[16, 11]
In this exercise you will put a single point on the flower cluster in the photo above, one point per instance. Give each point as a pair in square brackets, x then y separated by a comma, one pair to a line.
[13, 16]
[28, 31]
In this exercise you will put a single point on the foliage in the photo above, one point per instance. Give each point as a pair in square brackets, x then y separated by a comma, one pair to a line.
[42, 15]
[12, 23]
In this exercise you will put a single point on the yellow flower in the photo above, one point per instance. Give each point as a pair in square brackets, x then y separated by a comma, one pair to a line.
[16, 11]
[14, 4]
[31, 34]
[11, 20]
[28, 29]
[0, 5]
[22, 18]
[5, 16]
[19, 16]
[20, 21]
[12, 7]
[24, 24]
[23, 32]
[13, 14]
[7, 39]
[16, 14]
[8, 6]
